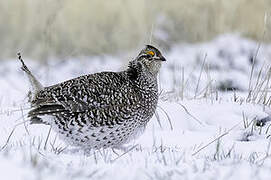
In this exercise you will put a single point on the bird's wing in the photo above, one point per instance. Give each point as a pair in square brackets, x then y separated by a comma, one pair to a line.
[97, 93]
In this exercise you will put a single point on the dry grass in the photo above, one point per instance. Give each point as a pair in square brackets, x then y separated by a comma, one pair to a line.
[41, 29]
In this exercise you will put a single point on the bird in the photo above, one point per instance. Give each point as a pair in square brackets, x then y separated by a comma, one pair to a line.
[100, 110]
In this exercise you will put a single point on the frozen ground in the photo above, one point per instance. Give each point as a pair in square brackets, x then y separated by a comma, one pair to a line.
[206, 130]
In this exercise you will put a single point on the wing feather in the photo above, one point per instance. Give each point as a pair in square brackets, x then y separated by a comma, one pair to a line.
[96, 93]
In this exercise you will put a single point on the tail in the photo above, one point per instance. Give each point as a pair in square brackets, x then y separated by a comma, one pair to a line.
[35, 85]
[38, 114]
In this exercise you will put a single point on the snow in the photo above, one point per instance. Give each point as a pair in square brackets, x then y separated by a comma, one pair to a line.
[228, 59]
[205, 133]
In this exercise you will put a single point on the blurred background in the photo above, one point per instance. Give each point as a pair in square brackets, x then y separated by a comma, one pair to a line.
[66, 28]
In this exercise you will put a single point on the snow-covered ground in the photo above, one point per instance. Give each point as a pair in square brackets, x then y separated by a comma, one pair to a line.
[202, 129]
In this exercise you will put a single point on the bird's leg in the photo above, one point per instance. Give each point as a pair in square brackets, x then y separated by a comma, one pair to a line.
[36, 86]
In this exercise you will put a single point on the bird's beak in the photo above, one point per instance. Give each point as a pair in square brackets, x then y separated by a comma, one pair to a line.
[162, 58]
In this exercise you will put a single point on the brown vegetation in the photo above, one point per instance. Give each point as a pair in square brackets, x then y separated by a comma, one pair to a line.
[43, 28]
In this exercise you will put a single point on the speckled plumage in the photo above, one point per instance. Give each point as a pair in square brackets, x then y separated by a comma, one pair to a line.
[100, 110]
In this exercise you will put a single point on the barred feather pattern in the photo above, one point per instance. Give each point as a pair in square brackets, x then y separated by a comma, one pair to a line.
[100, 110]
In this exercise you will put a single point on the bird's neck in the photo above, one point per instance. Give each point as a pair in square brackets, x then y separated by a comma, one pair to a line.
[141, 78]
[144, 82]
[138, 71]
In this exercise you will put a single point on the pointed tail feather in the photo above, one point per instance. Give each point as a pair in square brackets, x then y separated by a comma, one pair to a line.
[47, 110]
[37, 114]
[37, 120]
[36, 86]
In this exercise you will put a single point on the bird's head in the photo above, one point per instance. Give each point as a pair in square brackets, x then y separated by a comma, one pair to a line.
[151, 58]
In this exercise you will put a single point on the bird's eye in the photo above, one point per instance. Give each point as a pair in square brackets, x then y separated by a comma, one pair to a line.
[150, 53]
